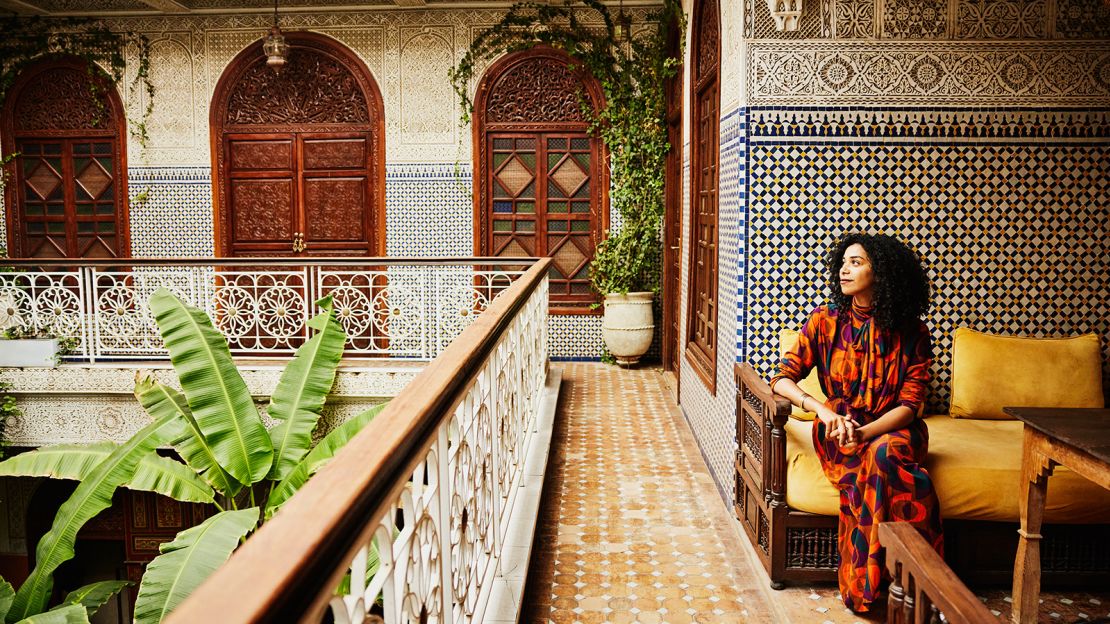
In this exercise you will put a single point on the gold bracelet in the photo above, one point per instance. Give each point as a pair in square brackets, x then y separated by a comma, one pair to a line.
[805, 396]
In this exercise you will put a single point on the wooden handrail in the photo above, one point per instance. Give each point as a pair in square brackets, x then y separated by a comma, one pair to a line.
[922, 582]
[289, 569]
[242, 261]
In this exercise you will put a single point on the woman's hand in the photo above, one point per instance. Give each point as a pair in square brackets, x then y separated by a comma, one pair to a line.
[840, 428]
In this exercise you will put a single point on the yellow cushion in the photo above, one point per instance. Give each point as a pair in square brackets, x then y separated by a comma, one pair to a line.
[810, 385]
[976, 469]
[990, 372]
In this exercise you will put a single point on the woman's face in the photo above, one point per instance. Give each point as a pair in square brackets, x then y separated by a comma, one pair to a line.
[856, 276]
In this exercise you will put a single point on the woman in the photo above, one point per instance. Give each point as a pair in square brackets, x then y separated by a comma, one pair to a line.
[872, 354]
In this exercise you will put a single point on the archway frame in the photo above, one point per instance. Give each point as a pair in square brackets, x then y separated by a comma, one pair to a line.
[117, 130]
[481, 125]
[221, 96]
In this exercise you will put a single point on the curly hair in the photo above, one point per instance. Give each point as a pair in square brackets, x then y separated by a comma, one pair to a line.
[901, 291]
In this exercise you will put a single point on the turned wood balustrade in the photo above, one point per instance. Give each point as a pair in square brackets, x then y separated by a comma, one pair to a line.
[922, 585]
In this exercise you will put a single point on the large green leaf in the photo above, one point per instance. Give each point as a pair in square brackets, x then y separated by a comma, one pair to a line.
[71, 614]
[218, 397]
[7, 594]
[92, 596]
[304, 385]
[317, 457]
[92, 495]
[185, 435]
[76, 461]
[188, 560]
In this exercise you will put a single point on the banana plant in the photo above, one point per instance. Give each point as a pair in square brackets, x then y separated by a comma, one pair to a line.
[228, 454]
[92, 495]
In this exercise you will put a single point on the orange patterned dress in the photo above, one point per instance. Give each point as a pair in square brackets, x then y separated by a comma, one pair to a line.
[867, 371]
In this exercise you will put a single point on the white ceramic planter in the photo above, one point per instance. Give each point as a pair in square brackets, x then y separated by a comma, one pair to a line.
[628, 326]
[35, 352]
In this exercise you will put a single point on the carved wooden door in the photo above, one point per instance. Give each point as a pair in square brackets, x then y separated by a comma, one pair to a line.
[68, 196]
[544, 202]
[299, 193]
[303, 173]
[541, 180]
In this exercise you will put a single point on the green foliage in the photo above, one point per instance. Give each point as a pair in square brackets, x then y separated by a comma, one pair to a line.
[189, 559]
[77, 461]
[8, 409]
[26, 39]
[631, 124]
[93, 596]
[65, 614]
[218, 432]
[317, 458]
[93, 495]
[217, 395]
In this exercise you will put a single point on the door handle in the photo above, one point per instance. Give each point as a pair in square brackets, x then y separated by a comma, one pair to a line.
[298, 242]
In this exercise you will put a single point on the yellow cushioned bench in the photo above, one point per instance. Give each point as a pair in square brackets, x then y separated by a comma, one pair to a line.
[789, 510]
[976, 470]
[975, 453]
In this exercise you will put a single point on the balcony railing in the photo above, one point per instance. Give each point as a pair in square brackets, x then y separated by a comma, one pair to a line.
[432, 485]
[389, 307]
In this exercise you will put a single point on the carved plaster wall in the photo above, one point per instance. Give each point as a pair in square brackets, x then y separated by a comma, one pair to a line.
[104, 407]
[408, 53]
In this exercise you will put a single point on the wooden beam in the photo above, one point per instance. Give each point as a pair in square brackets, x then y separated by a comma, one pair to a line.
[21, 8]
[409, 3]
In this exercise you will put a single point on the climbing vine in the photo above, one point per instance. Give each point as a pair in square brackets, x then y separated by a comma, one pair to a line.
[26, 39]
[632, 123]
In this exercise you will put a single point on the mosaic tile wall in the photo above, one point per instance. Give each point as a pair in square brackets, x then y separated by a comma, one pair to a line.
[977, 130]
[1010, 209]
[711, 416]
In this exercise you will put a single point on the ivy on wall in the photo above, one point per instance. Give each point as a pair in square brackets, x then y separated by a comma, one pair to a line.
[633, 77]
[26, 39]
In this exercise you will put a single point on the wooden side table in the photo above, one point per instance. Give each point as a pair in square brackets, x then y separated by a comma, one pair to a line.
[1078, 438]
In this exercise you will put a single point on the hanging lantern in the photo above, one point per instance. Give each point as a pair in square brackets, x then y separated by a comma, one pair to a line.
[622, 26]
[275, 47]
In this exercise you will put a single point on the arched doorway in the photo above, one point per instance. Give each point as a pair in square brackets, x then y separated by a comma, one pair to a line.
[540, 180]
[298, 157]
[67, 195]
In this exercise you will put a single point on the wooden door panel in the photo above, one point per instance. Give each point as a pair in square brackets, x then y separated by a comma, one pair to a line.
[335, 153]
[260, 154]
[262, 210]
[335, 210]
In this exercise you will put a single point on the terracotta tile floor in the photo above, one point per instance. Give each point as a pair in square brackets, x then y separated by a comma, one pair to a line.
[633, 529]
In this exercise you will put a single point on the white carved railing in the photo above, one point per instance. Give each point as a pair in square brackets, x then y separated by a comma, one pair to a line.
[430, 487]
[394, 308]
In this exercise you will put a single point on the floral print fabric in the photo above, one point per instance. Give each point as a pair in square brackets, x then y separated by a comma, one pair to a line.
[867, 371]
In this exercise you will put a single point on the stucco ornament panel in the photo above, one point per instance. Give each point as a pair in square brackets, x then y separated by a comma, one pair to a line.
[427, 53]
[105, 408]
[916, 73]
[408, 53]
[172, 123]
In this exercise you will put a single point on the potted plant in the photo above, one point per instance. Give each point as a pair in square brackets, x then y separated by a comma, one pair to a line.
[633, 72]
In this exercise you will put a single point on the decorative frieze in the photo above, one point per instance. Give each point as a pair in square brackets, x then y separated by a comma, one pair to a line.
[937, 19]
[89, 403]
[1078, 125]
[1015, 74]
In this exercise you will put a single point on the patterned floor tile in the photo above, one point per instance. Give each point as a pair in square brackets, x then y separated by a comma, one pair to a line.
[633, 529]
